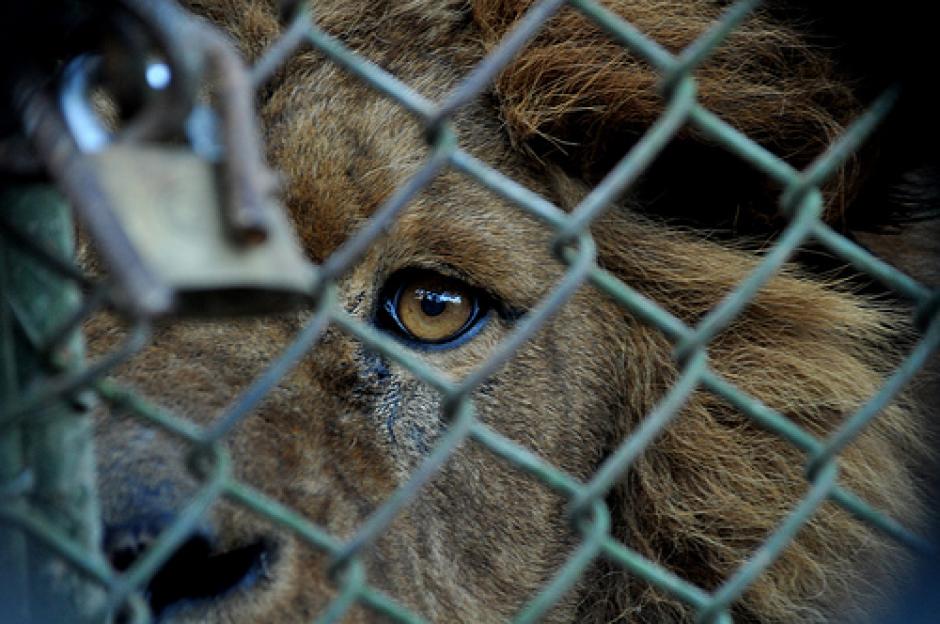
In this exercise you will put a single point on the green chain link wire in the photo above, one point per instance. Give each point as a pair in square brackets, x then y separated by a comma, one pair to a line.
[801, 201]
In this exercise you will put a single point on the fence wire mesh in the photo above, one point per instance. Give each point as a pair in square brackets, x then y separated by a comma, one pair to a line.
[802, 202]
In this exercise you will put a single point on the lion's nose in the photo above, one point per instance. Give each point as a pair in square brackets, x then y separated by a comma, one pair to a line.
[198, 571]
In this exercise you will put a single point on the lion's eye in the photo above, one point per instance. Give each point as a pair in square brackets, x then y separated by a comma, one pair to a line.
[431, 309]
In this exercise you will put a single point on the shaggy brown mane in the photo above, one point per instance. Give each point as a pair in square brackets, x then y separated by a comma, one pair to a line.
[576, 89]
[708, 493]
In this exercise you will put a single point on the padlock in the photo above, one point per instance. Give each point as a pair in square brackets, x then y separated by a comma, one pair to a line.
[166, 201]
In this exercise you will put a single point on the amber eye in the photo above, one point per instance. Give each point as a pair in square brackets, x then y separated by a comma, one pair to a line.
[431, 309]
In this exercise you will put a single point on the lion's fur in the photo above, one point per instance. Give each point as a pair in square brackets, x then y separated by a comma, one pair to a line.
[346, 427]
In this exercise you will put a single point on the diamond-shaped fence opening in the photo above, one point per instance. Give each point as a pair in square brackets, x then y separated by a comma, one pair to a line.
[47, 386]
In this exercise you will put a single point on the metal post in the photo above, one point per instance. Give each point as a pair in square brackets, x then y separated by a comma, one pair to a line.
[46, 457]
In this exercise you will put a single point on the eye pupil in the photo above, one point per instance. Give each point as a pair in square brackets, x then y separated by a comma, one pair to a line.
[433, 304]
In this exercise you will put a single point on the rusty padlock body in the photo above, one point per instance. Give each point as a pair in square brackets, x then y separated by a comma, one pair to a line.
[167, 201]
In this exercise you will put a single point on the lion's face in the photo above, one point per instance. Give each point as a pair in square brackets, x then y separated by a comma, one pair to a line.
[450, 281]
[349, 427]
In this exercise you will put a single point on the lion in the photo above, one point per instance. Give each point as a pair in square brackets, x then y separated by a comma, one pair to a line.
[454, 275]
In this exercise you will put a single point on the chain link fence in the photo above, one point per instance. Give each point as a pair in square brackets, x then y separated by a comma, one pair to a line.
[49, 533]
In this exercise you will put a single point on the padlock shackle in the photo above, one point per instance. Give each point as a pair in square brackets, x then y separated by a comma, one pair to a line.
[87, 129]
